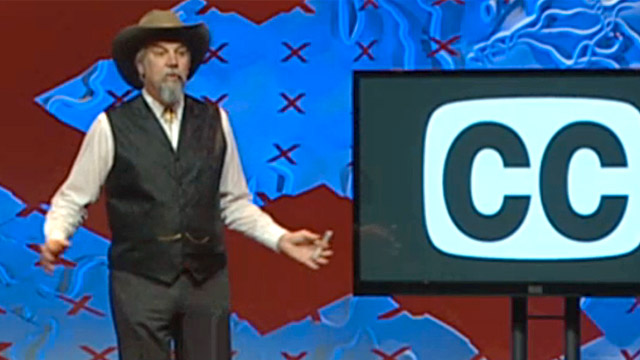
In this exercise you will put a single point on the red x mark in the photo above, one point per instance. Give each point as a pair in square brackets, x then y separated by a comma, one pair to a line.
[628, 356]
[98, 355]
[263, 197]
[203, 10]
[215, 53]
[367, 3]
[295, 51]
[365, 50]
[294, 357]
[60, 261]
[635, 305]
[445, 45]
[81, 305]
[118, 99]
[29, 210]
[4, 346]
[391, 314]
[292, 103]
[393, 356]
[2, 311]
[284, 153]
[217, 101]
[315, 317]
[440, 2]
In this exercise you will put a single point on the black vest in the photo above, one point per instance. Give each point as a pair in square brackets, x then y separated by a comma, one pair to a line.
[164, 205]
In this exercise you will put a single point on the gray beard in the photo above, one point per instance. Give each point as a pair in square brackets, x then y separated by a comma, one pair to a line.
[171, 92]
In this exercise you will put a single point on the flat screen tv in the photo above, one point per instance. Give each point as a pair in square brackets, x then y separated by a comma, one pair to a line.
[497, 182]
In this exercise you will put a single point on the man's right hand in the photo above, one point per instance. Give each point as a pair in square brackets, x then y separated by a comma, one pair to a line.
[50, 253]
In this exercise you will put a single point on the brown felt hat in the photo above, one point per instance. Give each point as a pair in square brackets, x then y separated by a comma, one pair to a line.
[157, 25]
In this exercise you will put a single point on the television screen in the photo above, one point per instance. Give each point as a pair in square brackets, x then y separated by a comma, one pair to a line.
[500, 182]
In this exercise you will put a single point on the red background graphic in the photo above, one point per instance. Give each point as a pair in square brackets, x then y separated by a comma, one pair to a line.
[257, 11]
[45, 39]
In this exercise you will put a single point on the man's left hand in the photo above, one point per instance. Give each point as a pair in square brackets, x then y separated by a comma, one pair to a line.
[306, 248]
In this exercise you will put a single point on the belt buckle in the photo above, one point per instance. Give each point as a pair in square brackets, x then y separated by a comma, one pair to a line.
[197, 241]
[168, 238]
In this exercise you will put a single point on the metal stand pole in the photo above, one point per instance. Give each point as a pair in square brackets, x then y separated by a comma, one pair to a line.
[519, 335]
[572, 328]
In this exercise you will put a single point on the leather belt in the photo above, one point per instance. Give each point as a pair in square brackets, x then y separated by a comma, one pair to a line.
[186, 235]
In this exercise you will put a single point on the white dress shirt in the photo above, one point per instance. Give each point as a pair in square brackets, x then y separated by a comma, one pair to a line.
[95, 159]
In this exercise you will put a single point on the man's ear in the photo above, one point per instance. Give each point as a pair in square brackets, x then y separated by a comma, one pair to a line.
[140, 68]
[139, 61]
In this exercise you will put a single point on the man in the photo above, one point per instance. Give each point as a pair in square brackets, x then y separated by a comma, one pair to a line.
[170, 168]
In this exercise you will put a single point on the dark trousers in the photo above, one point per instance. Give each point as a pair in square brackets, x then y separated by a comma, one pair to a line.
[149, 316]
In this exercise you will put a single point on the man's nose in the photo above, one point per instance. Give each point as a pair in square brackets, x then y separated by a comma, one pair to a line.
[172, 60]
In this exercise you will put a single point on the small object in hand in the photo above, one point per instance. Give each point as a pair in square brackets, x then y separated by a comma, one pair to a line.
[325, 241]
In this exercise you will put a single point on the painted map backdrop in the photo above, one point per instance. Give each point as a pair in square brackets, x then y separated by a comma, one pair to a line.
[282, 69]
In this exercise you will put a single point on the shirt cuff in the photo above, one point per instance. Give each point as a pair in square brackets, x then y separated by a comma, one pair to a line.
[57, 234]
[271, 237]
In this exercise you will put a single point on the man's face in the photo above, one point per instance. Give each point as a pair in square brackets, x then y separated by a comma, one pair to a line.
[164, 67]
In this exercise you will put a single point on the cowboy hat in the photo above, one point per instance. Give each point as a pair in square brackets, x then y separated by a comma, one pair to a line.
[157, 25]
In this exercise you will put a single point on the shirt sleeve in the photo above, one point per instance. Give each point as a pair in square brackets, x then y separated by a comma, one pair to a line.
[238, 211]
[82, 186]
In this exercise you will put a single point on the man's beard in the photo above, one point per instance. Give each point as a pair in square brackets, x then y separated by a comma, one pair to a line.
[171, 91]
